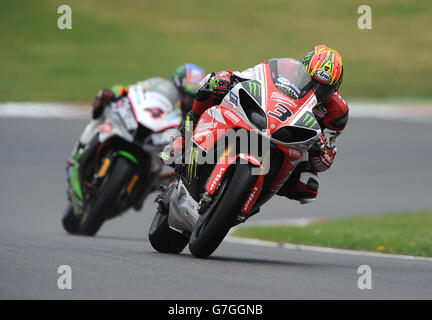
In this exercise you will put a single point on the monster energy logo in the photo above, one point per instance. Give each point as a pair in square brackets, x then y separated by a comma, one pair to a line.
[192, 167]
[253, 86]
[309, 120]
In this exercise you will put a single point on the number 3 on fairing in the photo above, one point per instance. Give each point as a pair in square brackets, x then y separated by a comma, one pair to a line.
[282, 113]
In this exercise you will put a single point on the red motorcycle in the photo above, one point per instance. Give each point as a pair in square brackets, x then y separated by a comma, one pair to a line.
[224, 182]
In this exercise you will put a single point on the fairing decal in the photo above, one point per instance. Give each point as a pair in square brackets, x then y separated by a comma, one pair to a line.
[214, 124]
[253, 196]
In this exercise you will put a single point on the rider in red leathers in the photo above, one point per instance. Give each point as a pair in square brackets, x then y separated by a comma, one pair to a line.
[325, 67]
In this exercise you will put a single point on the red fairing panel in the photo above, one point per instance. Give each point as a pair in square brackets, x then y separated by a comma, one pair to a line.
[213, 124]
[292, 155]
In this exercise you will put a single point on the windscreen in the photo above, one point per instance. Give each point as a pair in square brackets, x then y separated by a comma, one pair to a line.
[290, 77]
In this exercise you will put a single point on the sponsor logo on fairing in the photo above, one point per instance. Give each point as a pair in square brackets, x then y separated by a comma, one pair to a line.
[280, 96]
[232, 116]
[233, 98]
[250, 200]
[288, 89]
[105, 127]
[309, 120]
[216, 179]
[283, 80]
[255, 88]
[320, 111]
[284, 84]
[205, 125]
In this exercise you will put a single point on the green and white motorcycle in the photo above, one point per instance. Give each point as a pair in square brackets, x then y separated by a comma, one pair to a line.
[116, 163]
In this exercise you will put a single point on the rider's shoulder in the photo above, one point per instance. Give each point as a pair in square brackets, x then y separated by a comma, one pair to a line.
[334, 112]
[336, 101]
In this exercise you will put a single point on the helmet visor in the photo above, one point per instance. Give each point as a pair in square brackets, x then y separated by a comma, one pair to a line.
[186, 103]
[322, 91]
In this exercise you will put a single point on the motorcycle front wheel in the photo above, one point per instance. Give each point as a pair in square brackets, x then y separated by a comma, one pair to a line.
[212, 227]
[100, 206]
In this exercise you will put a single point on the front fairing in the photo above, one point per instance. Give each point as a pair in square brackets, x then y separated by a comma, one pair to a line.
[108, 125]
[153, 110]
[276, 109]
[118, 127]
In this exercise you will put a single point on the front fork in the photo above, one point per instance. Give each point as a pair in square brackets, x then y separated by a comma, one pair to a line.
[79, 159]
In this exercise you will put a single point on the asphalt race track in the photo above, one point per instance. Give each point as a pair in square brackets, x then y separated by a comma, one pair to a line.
[382, 166]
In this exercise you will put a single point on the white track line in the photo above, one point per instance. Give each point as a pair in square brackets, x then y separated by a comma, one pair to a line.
[297, 247]
[44, 110]
[297, 222]
[417, 112]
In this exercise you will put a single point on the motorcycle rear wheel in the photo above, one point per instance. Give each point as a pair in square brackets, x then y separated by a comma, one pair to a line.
[102, 203]
[212, 228]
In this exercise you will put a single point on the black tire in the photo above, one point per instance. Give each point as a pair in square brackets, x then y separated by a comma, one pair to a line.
[212, 228]
[164, 239]
[70, 221]
[99, 208]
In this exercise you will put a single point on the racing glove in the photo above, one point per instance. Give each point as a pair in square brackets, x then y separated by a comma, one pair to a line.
[220, 82]
[322, 154]
[213, 89]
[104, 97]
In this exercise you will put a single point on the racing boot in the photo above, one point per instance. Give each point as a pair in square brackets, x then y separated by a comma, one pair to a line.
[302, 185]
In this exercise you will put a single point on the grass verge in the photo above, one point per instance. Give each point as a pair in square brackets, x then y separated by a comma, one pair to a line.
[405, 233]
[112, 42]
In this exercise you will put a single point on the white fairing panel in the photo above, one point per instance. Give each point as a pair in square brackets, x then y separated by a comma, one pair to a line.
[153, 110]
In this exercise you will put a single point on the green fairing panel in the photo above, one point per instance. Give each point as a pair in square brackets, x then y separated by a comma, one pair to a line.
[75, 176]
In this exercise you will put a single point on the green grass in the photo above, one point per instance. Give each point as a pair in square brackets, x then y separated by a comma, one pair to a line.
[122, 42]
[408, 233]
